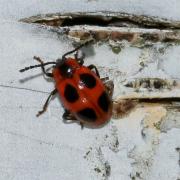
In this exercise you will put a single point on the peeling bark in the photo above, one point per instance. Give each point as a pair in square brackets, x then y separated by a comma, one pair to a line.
[103, 18]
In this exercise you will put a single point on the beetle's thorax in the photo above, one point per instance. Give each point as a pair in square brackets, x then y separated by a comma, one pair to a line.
[67, 67]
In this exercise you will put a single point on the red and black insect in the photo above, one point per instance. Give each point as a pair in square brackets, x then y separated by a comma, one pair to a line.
[84, 96]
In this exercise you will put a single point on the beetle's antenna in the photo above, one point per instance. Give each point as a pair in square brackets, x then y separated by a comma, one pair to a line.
[35, 66]
[76, 49]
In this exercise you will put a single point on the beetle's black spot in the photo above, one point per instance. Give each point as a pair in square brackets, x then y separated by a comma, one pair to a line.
[87, 114]
[66, 70]
[70, 93]
[88, 80]
[103, 101]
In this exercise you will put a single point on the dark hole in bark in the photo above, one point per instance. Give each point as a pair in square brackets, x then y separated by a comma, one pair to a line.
[96, 21]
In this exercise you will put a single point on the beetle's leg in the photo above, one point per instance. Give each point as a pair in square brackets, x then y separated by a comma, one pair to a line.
[69, 118]
[46, 103]
[42, 66]
[109, 85]
[92, 66]
[82, 125]
[105, 79]
[79, 58]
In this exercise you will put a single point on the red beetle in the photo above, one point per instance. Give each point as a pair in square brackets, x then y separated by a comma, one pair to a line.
[84, 96]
